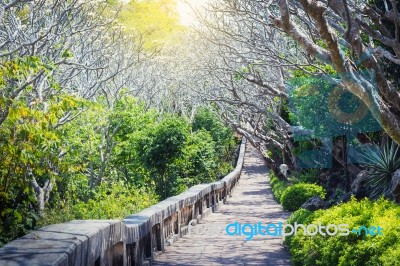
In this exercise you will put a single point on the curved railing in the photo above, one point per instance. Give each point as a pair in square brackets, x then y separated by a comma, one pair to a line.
[134, 241]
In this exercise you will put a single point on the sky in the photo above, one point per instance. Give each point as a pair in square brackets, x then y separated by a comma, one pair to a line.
[187, 17]
[185, 10]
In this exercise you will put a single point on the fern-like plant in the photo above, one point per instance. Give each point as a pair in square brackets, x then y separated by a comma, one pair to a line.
[381, 164]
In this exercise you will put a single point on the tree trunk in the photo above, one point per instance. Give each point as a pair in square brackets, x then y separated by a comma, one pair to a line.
[42, 194]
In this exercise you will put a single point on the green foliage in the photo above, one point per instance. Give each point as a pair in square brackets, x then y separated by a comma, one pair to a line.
[161, 147]
[294, 196]
[301, 216]
[319, 105]
[200, 159]
[133, 122]
[302, 146]
[29, 144]
[274, 153]
[99, 160]
[179, 159]
[239, 75]
[206, 119]
[353, 249]
[109, 201]
[165, 142]
[21, 68]
[278, 186]
[328, 69]
[381, 165]
[67, 54]
[305, 176]
[298, 190]
[105, 163]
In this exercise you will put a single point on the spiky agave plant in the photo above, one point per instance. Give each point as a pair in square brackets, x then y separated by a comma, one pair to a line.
[381, 164]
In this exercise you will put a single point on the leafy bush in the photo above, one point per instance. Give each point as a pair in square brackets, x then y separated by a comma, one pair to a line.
[225, 142]
[161, 147]
[106, 163]
[198, 163]
[200, 158]
[353, 249]
[207, 120]
[301, 216]
[109, 201]
[294, 196]
[178, 158]
[277, 186]
[309, 176]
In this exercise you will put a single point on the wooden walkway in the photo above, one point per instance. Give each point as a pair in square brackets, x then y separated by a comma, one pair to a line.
[251, 202]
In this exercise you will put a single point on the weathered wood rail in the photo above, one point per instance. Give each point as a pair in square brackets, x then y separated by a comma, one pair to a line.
[134, 241]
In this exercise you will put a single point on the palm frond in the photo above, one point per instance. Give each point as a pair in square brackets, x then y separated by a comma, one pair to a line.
[381, 164]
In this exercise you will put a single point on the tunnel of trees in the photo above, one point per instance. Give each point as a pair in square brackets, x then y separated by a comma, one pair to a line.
[107, 107]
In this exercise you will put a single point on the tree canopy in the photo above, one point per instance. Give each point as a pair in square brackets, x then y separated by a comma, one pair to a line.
[103, 99]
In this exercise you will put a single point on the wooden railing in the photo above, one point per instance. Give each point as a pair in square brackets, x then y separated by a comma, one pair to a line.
[134, 241]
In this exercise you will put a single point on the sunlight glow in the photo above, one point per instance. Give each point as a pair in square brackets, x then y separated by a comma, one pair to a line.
[185, 10]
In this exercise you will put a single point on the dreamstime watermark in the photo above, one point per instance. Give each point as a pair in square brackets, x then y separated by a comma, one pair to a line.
[280, 229]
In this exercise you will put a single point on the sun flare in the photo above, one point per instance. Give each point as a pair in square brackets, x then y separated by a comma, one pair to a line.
[185, 10]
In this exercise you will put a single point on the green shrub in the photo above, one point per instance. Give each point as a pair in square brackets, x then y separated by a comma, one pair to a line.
[301, 216]
[162, 146]
[206, 119]
[198, 164]
[277, 186]
[352, 249]
[294, 196]
[308, 176]
[209, 121]
[109, 201]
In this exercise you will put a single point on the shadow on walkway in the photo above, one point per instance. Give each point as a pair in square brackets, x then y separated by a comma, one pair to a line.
[251, 202]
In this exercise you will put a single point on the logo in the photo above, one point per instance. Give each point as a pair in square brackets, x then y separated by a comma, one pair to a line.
[249, 231]
[322, 109]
